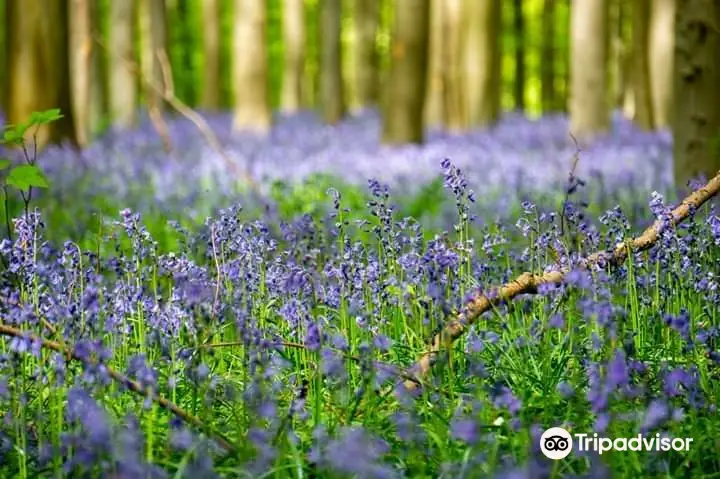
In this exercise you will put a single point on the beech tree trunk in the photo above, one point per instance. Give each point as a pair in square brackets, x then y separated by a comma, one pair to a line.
[589, 112]
[99, 102]
[123, 85]
[37, 65]
[619, 54]
[696, 117]
[482, 61]
[455, 111]
[640, 67]
[250, 70]
[294, 59]
[367, 18]
[331, 84]
[661, 47]
[435, 84]
[3, 48]
[405, 87]
[81, 44]
[154, 36]
[519, 34]
[547, 63]
[210, 96]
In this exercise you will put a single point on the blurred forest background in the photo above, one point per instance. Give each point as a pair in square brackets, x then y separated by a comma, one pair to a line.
[448, 64]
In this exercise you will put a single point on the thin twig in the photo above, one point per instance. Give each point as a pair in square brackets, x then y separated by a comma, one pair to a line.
[177, 104]
[528, 283]
[132, 385]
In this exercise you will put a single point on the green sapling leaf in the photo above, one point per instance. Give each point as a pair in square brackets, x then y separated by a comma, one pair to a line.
[4, 164]
[25, 176]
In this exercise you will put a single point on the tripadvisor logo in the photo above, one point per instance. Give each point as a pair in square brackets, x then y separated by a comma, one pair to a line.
[556, 443]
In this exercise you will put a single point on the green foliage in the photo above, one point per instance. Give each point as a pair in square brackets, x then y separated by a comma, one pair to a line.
[311, 196]
[26, 176]
[427, 202]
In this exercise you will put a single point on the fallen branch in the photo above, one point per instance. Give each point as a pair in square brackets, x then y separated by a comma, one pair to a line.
[528, 283]
[130, 384]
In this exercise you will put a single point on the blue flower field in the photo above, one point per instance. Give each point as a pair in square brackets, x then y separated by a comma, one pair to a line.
[162, 318]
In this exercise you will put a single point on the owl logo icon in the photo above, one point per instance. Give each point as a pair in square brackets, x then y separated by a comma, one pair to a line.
[556, 443]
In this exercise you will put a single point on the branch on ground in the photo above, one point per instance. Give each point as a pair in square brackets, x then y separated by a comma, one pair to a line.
[528, 283]
[120, 378]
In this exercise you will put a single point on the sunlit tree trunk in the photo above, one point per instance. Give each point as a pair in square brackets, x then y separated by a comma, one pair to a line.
[481, 61]
[37, 65]
[210, 97]
[405, 86]
[80, 66]
[519, 34]
[661, 50]
[294, 60]
[250, 70]
[123, 85]
[331, 85]
[589, 112]
[640, 70]
[154, 36]
[434, 88]
[367, 17]
[455, 108]
[547, 62]
[696, 116]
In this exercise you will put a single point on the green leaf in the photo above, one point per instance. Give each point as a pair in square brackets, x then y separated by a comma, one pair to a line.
[45, 117]
[4, 164]
[25, 176]
[14, 135]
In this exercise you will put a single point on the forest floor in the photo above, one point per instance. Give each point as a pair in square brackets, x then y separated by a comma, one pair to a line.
[158, 318]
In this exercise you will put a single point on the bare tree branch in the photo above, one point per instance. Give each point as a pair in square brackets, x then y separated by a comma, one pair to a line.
[168, 95]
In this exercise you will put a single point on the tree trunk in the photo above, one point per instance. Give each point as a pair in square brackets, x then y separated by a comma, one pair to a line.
[38, 76]
[661, 48]
[181, 31]
[405, 90]
[547, 62]
[519, 34]
[250, 69]
[617, 51]
[80, 66]
[367, 17]
[482, 61]
[696, 117]
[210, 97]
[122, 83]
[294, 60]
[154, 35]
[3, 50]
[455, 112]
[99, 106]
[331, 84]
[434, 88]
[589, 113]
[640, 70]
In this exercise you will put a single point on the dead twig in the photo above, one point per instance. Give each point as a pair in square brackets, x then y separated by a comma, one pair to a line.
[528, 283]
[167, 93]
[130, 384]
